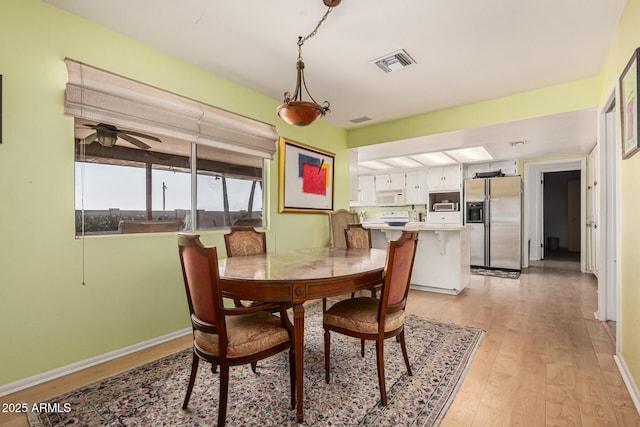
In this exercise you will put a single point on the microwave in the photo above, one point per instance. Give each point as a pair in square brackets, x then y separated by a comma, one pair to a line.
[390, 198]
[445, 207]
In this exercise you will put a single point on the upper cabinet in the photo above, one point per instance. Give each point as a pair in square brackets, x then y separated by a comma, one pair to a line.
[390, 182]
[508, 167]
[366, 190]
[445, 178]
[353, 176]
[417, 187]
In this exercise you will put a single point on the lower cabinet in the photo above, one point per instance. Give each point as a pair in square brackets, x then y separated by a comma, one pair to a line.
[443, 257]
[450, 218]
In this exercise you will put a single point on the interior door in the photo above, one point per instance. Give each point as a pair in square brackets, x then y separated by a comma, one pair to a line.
[593, 203]
[573, 216]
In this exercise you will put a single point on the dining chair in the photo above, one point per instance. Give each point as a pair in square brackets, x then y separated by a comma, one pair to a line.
[358, 237]
[227, 336]
[338, 221]
[374, 319]
[245, 240]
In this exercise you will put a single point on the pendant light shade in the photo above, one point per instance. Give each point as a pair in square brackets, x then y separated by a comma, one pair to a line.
[294, 109]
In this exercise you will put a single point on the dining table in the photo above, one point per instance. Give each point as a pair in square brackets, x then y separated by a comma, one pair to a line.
[295, 277]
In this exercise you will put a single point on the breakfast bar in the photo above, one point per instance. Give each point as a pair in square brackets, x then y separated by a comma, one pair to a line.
[442, 261]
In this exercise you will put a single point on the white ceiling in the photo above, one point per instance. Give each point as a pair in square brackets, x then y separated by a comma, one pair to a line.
[466, 51]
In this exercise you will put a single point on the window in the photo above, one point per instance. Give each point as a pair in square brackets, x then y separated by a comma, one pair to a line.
[179, 165]
[124, 189]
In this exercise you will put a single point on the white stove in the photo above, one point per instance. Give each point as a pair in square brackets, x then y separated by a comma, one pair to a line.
[395, 218]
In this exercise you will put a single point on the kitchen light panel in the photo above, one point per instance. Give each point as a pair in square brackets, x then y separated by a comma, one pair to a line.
[374, 164]
[468, 155]
[403, 162]
[433, 159]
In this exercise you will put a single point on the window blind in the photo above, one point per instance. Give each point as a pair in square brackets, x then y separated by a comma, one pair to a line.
[100, 96]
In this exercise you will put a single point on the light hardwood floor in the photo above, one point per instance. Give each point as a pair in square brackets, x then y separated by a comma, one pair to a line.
[544, 360]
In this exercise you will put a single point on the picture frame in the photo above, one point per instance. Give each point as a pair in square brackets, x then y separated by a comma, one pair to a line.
[630, 126]
[306, 178]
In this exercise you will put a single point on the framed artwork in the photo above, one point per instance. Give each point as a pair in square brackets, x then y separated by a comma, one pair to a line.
[629, 106]
[306, 177]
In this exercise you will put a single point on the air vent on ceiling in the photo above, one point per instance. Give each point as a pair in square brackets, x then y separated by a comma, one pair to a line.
[360, 119]
[394, 61]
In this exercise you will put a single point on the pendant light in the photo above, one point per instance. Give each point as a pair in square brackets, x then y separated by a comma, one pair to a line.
[294, 110]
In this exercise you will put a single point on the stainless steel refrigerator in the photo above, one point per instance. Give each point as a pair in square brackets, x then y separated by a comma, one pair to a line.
[494, 213]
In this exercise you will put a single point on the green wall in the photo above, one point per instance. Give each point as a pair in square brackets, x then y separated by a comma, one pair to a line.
[572, 96]
[133, 287]
[625, 41]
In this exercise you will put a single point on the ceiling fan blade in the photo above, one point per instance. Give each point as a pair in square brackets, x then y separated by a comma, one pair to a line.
[141, 135]
[89, 139]
[133, 140]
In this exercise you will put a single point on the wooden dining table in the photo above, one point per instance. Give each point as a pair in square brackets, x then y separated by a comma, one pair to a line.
[299, 276]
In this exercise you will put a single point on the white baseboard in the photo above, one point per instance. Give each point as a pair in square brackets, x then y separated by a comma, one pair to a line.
[628, 380]
[78, 366]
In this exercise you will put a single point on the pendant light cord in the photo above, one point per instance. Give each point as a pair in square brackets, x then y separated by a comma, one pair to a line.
[301, 39]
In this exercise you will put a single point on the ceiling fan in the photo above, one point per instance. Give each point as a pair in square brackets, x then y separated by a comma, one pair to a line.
[107, 136]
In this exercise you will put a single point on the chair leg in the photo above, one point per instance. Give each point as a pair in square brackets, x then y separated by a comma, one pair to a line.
[292, 374]
[192, 380]
[362, 347]
[380, 360]
[404, 352]
[254, 367]
[224, 389]
[327, 354]
[214, 368]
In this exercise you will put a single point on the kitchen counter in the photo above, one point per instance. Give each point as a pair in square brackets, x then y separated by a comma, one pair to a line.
[443, 256]
[415, 226]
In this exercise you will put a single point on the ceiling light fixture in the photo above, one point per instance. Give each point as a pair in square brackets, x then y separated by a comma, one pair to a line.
[471, 154]
[294, 110]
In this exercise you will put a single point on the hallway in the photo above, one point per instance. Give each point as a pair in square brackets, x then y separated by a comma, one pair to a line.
[545, 359]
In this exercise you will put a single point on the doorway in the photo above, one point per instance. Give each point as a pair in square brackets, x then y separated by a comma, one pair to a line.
[561, 215]
[534, 231]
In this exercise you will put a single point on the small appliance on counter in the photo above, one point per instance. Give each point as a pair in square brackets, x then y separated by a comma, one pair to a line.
[446, 206]
[395, 218]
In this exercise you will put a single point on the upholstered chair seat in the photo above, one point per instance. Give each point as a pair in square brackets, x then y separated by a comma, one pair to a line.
[246, 335]
[361, 315]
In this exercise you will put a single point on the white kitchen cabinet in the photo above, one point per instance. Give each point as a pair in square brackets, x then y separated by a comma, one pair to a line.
[416, 192]
[353, 176]
[390, 182]
[444, 178]
[366, 190]
[508, 167]
[448, 218]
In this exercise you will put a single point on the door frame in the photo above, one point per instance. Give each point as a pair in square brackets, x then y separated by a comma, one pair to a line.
[608, 265]
[533, 231]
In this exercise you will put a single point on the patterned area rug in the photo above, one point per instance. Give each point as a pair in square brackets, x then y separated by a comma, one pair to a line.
[152, 395]
[505, 274]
